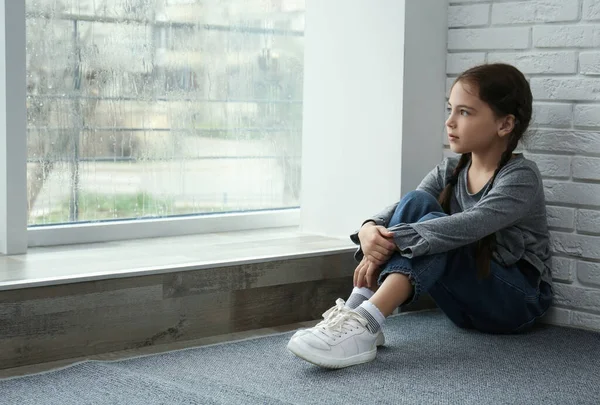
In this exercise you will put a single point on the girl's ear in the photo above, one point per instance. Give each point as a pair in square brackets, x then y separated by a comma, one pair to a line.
[506, 125]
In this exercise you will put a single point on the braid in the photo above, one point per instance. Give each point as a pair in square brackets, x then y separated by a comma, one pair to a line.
[507, 92]
[513, 142]
[446, 194]
[485, 247]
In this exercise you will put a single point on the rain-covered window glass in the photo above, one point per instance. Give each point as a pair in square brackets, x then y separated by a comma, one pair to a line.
[152, 108]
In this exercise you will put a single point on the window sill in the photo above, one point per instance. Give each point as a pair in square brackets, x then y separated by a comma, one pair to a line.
[45, 266]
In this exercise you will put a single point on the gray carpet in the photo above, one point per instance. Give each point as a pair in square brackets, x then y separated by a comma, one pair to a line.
[427, 360]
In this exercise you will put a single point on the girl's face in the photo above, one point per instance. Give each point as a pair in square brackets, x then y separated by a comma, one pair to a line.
[471, 124]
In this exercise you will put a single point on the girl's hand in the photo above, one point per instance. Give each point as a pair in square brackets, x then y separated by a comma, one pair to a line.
[366, 274]
[376, 243]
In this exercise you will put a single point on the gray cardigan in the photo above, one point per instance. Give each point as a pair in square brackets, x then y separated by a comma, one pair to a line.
[514, 208]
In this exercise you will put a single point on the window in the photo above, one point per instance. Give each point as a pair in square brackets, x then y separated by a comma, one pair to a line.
[139, 109]
[167, 95]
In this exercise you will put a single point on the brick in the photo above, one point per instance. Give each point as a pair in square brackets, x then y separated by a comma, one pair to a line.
[552, 166]
[572, 193]
[585, 168]
[488, 38]
[563, 141]
[538, 62]
[582, 246]
[563, 269]
[586, 115]
[535, 11]
[557, 316]
[552, 114]
[561, 217]
[588, 221]
[588, 273]
[470, 15]
[558, 36]
[582, 298]
[589, 63]
[586, 321]
[457, 63]
[578, 89]
[591, 10]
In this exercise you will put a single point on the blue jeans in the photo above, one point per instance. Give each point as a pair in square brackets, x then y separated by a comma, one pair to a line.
[508, 301]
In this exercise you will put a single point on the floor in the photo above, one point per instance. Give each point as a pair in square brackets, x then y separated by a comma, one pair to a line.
[37, 368]
[426, 359]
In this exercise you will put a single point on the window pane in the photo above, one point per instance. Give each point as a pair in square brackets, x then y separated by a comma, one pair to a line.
[143, 108]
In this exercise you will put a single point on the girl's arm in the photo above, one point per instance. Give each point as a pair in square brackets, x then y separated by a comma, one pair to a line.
[511, 198]
[433, 183]
[383, 218]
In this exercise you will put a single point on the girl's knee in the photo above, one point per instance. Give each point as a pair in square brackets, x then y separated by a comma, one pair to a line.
[432, 215]
[415, 205]
[422, 198]
[418, 195]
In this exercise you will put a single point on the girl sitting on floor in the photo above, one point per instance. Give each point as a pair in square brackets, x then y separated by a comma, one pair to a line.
[474, 234]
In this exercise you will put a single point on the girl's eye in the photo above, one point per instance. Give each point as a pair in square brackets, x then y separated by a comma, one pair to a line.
[463, 112]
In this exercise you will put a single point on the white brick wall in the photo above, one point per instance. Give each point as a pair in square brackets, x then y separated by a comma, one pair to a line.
[558, 36]
[554, 115]
[591, 10]
[587, 115]
[556, 43]
[589, 63]
[538, 11]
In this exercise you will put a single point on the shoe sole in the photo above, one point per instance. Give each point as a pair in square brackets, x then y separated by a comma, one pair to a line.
[380, 338]
[321, 361]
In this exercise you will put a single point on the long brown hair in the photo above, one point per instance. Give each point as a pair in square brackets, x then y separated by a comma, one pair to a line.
[506, 90]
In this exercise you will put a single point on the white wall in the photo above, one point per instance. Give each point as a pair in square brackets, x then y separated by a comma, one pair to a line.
[555, 43]
[373, 106]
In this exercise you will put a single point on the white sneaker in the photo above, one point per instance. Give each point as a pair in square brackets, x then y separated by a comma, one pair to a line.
[342, 342]
[330, 316]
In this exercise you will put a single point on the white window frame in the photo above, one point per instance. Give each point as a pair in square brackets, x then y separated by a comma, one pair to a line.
[160, 227]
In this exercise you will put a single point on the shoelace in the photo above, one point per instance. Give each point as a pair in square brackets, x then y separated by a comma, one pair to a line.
[345, 322]
[332, 313]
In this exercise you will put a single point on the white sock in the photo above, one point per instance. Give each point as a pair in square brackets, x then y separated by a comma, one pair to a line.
[372, 314]
[357, 297]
